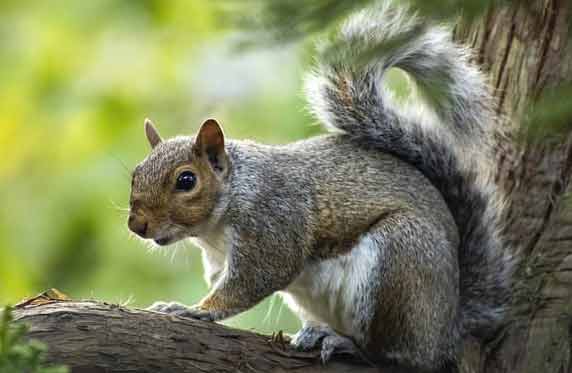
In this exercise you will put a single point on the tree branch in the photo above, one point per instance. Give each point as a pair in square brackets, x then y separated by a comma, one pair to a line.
[95, 337]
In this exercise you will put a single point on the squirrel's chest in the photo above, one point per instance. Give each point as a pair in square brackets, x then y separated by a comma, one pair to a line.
[331, 290]
[213, 250]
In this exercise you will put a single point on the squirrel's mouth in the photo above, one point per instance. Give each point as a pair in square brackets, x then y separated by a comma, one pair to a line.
[163, 241]
[167, 240]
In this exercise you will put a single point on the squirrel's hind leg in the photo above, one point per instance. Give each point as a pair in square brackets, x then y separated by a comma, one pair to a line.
[331, 343]
[311, 335]
[399, 287]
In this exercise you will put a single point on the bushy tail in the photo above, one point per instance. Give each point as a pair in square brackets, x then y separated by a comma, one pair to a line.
[346, 93]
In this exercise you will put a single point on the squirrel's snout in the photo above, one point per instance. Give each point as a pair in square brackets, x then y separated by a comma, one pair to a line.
[138, 225]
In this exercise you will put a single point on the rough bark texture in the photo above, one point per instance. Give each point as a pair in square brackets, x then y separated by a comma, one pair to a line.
[94, 337]
[525, 47]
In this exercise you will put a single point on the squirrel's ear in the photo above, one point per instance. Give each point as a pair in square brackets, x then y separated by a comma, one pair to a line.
[152, 133]
[210, 142]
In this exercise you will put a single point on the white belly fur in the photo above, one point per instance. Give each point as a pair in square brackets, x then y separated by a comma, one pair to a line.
[213, 251]
[333, 290]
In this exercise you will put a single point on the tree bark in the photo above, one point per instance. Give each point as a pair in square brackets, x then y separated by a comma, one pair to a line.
[525, 48]
[95, 337]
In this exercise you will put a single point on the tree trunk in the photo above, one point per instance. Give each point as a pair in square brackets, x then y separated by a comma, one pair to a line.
[525, 47]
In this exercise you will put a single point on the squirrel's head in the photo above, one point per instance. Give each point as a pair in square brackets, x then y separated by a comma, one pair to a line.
[176, 191]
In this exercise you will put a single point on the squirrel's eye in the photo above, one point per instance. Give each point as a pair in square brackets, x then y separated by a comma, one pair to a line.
[186, 181]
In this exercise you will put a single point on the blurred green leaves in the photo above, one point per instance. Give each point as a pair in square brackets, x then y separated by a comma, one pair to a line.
[18, 355]
[289, 20]
[78, 78]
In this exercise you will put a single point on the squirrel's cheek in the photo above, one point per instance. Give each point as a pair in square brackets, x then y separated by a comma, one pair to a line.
[190, 215]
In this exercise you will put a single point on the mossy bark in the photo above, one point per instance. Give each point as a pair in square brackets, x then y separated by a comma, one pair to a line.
[525, 47]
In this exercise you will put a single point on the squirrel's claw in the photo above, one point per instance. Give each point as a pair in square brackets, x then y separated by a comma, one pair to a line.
[158, 307]
[194, 312]
[331, 343]
[339, 345]
[310, 336]
[180, 310]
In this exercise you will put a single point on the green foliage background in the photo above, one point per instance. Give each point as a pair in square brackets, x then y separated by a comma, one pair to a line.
[78, 78]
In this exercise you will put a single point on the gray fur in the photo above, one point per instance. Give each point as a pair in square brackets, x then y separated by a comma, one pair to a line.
[449, 148]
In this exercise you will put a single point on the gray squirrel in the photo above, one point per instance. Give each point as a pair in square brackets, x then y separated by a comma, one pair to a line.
[382, 236]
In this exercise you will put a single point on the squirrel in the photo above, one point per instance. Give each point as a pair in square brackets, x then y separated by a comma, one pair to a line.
[382, 235]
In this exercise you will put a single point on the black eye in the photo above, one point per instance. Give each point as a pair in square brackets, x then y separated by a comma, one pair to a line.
[186, 181]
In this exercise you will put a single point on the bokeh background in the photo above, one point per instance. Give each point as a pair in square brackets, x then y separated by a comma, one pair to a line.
[77, 80]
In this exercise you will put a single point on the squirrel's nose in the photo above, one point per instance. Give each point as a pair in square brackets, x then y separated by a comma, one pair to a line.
[137, 225]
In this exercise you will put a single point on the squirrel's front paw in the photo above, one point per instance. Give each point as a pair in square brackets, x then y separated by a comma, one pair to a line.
[178, 309]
